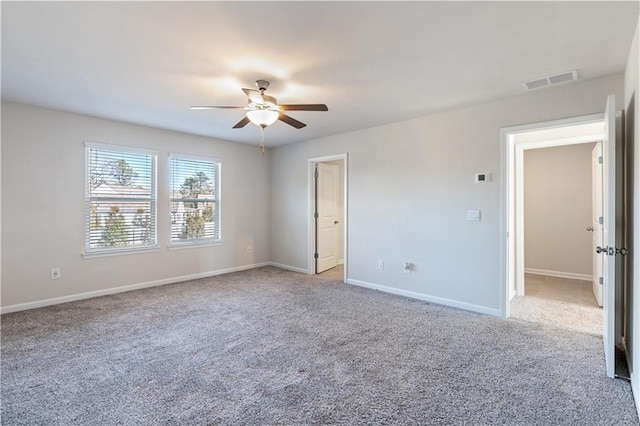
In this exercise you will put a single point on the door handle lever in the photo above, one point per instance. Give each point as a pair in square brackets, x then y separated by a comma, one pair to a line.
[589, 228]
[606, 250]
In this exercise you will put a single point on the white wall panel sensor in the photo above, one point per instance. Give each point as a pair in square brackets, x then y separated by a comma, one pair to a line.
[473, 215]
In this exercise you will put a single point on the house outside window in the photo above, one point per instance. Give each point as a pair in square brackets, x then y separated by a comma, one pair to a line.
[194, 185]
[120, 199]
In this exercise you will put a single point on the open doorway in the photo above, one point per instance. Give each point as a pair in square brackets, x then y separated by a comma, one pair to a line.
[328, 217]
[560, 203]
[568, 131]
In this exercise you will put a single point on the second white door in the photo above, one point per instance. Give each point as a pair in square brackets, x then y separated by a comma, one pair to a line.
[327, 219]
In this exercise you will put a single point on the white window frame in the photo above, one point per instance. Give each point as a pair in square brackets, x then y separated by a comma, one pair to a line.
[121, 250]
[197, 242]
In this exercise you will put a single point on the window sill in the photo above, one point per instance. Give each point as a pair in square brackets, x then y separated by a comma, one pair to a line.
[122, 252]
[190, 245]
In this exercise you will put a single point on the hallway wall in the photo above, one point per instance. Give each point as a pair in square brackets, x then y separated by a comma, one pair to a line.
[557, 209]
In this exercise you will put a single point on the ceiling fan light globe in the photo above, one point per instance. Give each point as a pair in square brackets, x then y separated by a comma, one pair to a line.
[262, 117]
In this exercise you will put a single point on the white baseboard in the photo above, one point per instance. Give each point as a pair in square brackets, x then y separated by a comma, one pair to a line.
[427, 298]
[114, 290]
[288, 268]
[558, 274]
[512, 293]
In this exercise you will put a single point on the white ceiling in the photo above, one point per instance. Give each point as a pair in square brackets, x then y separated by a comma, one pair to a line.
[372, 63]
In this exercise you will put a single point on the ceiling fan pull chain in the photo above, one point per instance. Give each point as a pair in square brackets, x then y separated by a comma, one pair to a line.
[262, 139]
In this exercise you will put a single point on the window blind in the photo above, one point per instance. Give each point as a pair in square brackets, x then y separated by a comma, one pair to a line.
[120, 199]
[195, 200]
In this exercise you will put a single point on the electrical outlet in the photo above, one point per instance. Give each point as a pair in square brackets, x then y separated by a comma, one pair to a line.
[249, 249]
[380, 264]
[55, 273]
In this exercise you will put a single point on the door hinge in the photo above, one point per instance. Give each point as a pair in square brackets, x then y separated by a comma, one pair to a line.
[601, 220]
[600, 160]
[600, 280]
[315, 255]
[315, 215]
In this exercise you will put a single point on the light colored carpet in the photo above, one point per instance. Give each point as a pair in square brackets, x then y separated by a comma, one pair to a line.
[559, 302]
[558, 313]
[269, 346]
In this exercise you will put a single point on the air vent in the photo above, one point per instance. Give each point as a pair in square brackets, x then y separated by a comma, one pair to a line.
[551, 80]
[536, 84]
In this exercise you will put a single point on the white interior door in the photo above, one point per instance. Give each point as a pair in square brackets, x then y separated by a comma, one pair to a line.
[327, 222]
[609, 232]
[596, 215]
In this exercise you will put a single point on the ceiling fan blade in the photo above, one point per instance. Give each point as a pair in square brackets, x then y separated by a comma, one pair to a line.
[305, 107]
[214, 107]
[291, 121]
[240, 124]
[254, 95]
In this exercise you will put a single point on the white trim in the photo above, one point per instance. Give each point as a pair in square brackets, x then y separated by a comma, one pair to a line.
[563, 122]
[512, 230]
[559, 274]
[119, 252]
[311, 207]
[114, 290]
[193, 244]
[288, 267]
[427, 298]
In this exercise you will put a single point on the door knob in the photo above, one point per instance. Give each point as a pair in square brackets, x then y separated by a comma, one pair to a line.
[335, 222]
[589, 228]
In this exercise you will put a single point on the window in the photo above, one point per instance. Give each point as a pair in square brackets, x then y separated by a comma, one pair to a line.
[120, 199]
[195, 200]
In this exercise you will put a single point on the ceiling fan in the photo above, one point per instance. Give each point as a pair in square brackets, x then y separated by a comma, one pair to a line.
[263, 110]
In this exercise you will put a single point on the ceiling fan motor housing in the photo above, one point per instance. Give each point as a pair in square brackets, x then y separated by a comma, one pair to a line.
[262, 85]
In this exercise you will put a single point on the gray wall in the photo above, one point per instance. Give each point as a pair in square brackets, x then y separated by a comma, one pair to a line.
[43, 169]
[410, 186]
[557, 209]
[632, 117]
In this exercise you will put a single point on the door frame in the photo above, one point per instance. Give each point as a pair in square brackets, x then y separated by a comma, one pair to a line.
[311, 222]
[512, 199]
